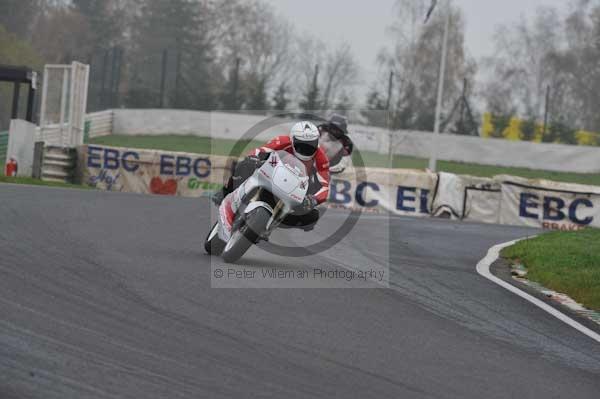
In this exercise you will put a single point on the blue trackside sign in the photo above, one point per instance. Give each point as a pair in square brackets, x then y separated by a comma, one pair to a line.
[555, 209]
[548, 207]
[405, 200]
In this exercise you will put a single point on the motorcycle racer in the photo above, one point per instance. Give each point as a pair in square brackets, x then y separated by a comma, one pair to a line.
[336, 143]
[303, 143]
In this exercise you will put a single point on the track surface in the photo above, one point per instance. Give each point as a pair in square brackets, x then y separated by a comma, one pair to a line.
[108, 295]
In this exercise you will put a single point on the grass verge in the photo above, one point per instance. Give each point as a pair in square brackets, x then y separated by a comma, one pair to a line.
[36, 182]
[205, 145]
[566, 262]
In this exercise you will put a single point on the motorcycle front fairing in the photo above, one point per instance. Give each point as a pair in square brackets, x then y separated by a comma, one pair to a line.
[283, 176]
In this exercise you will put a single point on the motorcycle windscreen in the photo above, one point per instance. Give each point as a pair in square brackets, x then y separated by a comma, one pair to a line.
[290, 175]
[294, 164]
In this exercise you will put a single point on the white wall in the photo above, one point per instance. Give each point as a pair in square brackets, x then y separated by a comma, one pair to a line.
[553, 157]
[197, 123]
[21, 143]
[499, 152]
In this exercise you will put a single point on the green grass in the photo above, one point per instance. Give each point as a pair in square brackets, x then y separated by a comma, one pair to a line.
[202, 145]
[3, 147]
[567, 262]
[36, 182]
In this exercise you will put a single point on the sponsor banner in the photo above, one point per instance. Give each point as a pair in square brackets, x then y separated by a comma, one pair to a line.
[467, 198]
[401, 191]
[404, 192]
[482, 203]
[549, 205]
[151, 171]
[505, 199]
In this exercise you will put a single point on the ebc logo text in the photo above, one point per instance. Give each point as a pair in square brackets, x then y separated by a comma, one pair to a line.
[113, 159]
[408, 199]
[554, 209]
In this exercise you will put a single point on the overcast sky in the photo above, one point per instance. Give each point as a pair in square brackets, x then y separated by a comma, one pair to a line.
[362, 23]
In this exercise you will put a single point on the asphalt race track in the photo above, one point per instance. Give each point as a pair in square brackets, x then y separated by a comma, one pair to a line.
[106, 295]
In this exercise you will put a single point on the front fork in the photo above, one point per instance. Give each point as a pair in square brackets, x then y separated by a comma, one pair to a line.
[253, 200]
[277, 215]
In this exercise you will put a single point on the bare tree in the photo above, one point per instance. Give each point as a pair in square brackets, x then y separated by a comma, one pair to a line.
[519, 72]
[575, 73]
[18, 16]
[63, 34]
[414, 59]
[307, 58]
[338, 73]
[250, 31]
[341, 73]
[280, 99]
[184, 29]
[13, 51]
[549, 51]
[106, 19]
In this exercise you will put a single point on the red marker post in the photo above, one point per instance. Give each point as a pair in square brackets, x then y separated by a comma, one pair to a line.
[11, 168]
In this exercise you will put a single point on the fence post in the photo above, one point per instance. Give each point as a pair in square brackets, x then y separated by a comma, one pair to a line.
[163, 78]
[15, 104]
[38, 159]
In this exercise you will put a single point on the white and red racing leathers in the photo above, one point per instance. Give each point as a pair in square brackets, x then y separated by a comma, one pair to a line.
[319, 165]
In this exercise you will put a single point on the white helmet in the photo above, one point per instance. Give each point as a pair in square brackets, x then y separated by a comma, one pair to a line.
[305, 140]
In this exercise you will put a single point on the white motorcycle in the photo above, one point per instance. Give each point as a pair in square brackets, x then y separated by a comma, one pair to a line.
[256, 208]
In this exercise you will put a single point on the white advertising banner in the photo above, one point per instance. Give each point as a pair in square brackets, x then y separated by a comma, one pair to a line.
[150, 171]
[504, 199]
[467, 198]
[401, 191]
[549, 205]
[404, 192]
[482, 204]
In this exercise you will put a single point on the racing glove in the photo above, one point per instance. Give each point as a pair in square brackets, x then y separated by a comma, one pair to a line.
[254, 161]
[309, 203]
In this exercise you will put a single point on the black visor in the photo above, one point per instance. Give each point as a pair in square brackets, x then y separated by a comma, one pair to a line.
[306, 148]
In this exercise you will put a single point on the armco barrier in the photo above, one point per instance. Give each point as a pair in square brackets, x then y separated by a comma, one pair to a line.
[99, 124]
[503, 199]
[58, 164]
[53, 163]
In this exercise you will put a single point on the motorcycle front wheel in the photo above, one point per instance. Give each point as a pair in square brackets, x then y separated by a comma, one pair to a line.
[243, 238]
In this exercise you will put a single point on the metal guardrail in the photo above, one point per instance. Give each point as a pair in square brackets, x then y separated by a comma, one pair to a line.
[3, 149]
[53, 163]
[98, 124]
